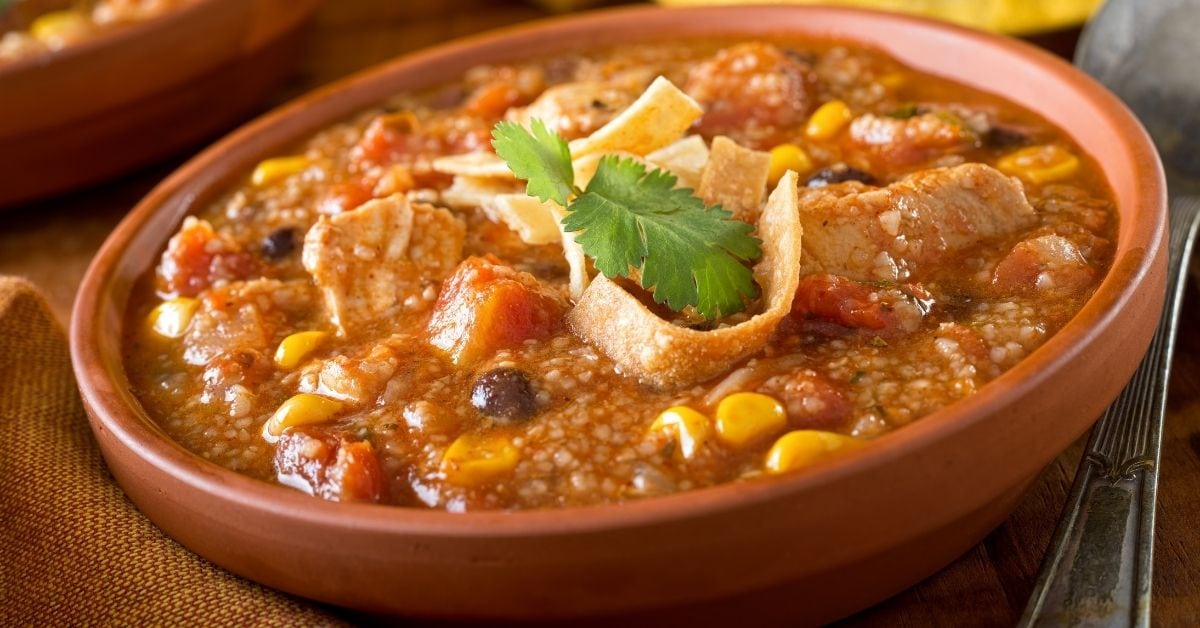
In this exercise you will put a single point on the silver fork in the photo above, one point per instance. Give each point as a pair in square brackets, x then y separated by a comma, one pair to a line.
[1098, 569]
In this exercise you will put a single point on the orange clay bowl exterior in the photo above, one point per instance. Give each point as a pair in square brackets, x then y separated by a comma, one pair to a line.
[133, 94]
[802, 548]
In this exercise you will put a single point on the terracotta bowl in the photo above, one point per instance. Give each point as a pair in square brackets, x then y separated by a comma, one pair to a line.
[802, 548]
[133, 94]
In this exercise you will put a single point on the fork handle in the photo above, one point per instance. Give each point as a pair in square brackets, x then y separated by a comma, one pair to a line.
[1097, 571]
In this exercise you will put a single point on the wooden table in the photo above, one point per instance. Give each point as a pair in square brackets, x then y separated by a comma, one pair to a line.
[52, 242]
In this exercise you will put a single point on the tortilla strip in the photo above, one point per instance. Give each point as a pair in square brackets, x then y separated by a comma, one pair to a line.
[480, 163]
[467, 191]
[661, 115]
[668, 356]
[736, 178]
[576, 258]
[532, 219]
[685, 159]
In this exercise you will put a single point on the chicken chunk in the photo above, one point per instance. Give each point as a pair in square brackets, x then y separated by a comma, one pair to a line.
[382, 257]
[234, 331]
[244, 317]
[354, 379]
[894, 233]
[576, 109]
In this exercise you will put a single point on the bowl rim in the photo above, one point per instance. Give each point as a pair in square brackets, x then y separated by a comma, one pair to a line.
[120, 35]
[113, 408]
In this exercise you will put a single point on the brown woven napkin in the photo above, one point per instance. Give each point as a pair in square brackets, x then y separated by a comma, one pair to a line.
[73, 549]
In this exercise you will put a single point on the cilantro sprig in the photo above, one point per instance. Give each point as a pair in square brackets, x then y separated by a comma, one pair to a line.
[635, 223]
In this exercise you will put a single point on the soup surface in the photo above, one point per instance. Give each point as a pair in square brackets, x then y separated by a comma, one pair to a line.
[365, 319]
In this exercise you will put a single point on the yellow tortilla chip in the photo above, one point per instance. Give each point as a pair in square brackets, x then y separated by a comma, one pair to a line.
[668, 356]
[477, 164]
[532, 219]
[467, 191]
[661, 115]
[736, 178]
[576, 258]
[685, 159]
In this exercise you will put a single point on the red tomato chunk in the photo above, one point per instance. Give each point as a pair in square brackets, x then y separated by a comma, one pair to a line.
[486, 306]
[329, 466]
[197, 257]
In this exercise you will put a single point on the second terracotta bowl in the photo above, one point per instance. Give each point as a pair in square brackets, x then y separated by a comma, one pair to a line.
[803, 548]
[133, 94]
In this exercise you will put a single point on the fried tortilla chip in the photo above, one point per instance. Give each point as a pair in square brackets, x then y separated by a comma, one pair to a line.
[736, 178]
[467, 191]
[534, 221]
[661, 115]
[685, 159]
[668, 356]
[480, 163]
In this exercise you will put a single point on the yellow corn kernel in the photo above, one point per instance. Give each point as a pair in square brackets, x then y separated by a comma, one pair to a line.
[302, 409]
[1040, 164]
[689, 428]
[788, 157]
[802, 448]
[271, 170]
[59, 27]
[293, 349]
[744, 417]
[892, 80]
[828, 120]
[473, 459]
[170, 319]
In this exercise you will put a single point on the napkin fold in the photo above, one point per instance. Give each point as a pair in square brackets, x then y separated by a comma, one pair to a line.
[73, 549]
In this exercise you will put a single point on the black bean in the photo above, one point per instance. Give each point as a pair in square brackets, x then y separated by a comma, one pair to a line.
[837, 174]
[279, 243]
[504, 393]
[1003, 137]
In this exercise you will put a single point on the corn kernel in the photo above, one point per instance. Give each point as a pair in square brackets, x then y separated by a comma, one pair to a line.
[59, 27]
[892, 80]
[828, 120]
[689, 428]
[271, 170]
[744, 417]
[473, 459]
[302, 409]
[788, 157]
[1040, 164]
[293, 349]
[802, 448]
[170, 319]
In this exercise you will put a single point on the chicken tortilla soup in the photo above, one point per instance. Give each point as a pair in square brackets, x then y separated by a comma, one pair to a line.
[615, 274]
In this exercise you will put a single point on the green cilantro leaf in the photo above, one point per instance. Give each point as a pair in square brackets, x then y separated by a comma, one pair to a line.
[634, 223]
[541, 157]
[687, 253]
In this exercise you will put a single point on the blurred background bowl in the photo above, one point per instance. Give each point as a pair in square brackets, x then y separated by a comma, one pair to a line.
[133, 94]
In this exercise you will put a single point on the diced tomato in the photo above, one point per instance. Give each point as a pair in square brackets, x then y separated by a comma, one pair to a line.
[848, 303]
[197, 256]
[397, 138]
[344, 197]
[329, 466]
[493, 99]
[812, 400]
[755, 83]
[486, 306]
[1049, 263]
